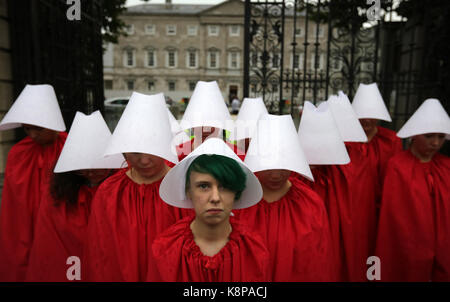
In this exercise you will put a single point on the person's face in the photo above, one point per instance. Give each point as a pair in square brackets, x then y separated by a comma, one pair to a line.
[426, 145]
[39, 135]
[212, 202]
[146, 165]
[273, 179]
[95, 176]
[368, 124]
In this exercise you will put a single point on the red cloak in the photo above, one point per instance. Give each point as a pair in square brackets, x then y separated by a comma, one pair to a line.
[243, 259]
[414, 230]
[332, 183]
[297, 234]
[60, 232]
[185, 148]
[125, 218]
[27, 177]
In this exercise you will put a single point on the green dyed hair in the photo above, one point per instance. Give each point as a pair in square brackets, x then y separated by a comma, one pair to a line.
[224, 169]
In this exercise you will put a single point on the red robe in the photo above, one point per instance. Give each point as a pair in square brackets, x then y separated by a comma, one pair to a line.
[367, 167]
[414, 231]
[297, 234]
[243, 259]
[125, 219]
[60, 233]
[332, 183]
[185, 148]
[27, 177]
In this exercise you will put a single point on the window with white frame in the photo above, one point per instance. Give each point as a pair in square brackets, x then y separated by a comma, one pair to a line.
[150, 29]
[129, 59]
[213, 30]
[192, 58]
[151, 57]
[171, 58]
[192, 30]
[171, 30]
[320, 63]
[213, 59]
[171, 85]
[151, 85]
[130, 84]
[299, 32]
[234, 30]
[233, 60]
[129, 29]
[297, 60]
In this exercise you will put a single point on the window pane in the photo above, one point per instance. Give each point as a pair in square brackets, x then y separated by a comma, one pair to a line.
[191, 86]
[171, 59]
[151, 85]
[171, 86]
[129, 57]
[130, 85]
[192, 59]
[151, 58]
[213, 59]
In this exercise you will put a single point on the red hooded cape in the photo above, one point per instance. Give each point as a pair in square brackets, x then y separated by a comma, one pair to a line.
[414, 230]
[297, 234]
[185, 148]
[243, 259]
[125, 219]
[332, 183]
[60, 232]
[27, 176]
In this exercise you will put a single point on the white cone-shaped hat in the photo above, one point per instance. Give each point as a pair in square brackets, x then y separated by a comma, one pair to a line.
[320, 138]
[207, 108]
[430, 117]
[172, 189]
[144, 127]
[276, 146]
[368, 103]
[85, 145]
[347, 122]
[247, 118]
[36, 105]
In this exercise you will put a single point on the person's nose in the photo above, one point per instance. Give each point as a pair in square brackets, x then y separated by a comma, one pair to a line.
[435, 141]
[145, 159]
[215, 195]
[33, 134]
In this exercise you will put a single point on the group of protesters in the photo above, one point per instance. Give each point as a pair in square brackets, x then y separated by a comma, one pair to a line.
[209, 198]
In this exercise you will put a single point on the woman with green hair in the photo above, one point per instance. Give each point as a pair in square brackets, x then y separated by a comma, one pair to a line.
[210, 246]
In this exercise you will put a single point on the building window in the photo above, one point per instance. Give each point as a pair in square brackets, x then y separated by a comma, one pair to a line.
[298, 61]
[299, 32]
[171, 30]
[171, 58]
[233, 60]
[319, 64]
[108, 84]
[129, 29]
[276, 60]
[192, 85]
[171, 85]
[191, 59]
[129, 60]
[213, 30]
[151, 85]
[150, 29]
[151, 58]
[213, 59]
[234, 30]
[130, 84]
[192, 30]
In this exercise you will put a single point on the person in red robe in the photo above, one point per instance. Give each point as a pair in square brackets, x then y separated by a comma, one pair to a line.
[127, 212]
[210, 246]
[62, 219]
[413, 241]
[291, 217]
[27, 174]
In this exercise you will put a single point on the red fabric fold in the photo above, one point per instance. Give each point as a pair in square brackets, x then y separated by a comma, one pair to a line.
[243, 259]
[413, 240]
[125, 219]
[296, 232]
[27, 175]
[61, 231]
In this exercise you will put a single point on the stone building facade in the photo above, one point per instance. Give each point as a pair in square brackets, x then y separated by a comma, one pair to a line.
[170, 47]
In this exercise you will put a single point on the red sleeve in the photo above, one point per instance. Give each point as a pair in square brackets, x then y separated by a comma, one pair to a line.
[27, 175]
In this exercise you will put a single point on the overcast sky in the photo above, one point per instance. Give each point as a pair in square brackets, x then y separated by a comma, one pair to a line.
[135, 2]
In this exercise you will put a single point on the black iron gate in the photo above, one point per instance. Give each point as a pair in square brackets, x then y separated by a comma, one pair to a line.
[305, 50]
